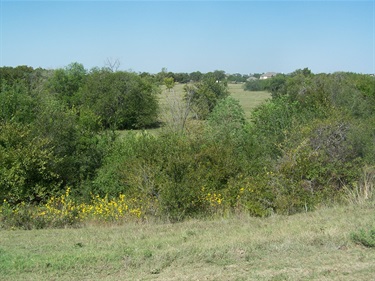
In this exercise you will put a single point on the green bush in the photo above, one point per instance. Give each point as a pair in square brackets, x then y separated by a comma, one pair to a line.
[16, 104]
[250, 194]
[318, 163]
[66, 83]
[227, 120]
[123, 100]
[75, 136]
[256, 85]
[183, 174]
[364, 237]
[205, 94]
[27, 165]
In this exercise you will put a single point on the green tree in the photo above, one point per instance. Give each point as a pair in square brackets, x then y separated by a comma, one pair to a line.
[16, 104]
[66, 83]
[196, 76]
[276, 85]
[123, 100]
[169, 83]
[227, 120]
[205, 95]
[14, 75]
[75, 135]
[27, 165]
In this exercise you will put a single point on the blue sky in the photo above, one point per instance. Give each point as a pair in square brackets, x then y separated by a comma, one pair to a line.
[185, 36]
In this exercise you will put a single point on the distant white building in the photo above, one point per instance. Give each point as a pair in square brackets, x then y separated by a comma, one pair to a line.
[267, 75]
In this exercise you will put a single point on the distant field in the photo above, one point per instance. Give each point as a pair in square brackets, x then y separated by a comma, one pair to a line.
[248, 100]
[309, 246]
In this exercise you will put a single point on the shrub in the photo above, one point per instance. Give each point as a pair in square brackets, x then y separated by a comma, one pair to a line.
[75, 136]
[256, 85]
[179, 173]
[250, 194]
[123, 100]
[227, 119]
[16, 104]
[66, 83]
[27, 165]
[205, 94]
[318, 163]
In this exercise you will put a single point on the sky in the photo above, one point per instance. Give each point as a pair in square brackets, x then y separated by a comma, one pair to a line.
[185, 36]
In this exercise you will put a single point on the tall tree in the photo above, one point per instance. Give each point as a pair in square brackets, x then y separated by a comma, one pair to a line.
[123, 100]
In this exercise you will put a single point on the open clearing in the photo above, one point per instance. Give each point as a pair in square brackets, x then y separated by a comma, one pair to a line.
[308, 246]
[248, 99]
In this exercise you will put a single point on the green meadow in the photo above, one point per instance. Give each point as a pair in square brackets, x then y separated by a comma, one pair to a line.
[248, 99]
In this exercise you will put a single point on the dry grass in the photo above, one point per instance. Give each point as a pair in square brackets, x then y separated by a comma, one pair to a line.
[310, 246]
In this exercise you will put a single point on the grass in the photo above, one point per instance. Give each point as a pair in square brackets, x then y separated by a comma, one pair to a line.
[248, 99]
[309, 246]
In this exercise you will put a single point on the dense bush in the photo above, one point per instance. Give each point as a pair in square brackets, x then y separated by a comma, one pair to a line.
[123, 100]
[16, 104]
[205, 94]
[66, 83]
[306, 146]
[27, 165]
[255, 85]
[313, 130]
[75, 136]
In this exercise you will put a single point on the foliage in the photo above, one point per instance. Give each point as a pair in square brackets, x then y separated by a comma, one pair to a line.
[205, 95]
[169, 82]
[123, 100]
[256, 85]
[66, 83]
[75, 137]
[175, 171]
[312, 138]
[16, 104]
[27, 165]
[14, 75]
[237, 78]
[227, 119]
[308, 145]
[196, 76]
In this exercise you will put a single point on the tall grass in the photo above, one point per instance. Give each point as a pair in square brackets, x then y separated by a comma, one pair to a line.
[364, 188]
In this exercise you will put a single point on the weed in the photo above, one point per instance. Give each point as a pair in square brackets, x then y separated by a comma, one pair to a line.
[364, 237]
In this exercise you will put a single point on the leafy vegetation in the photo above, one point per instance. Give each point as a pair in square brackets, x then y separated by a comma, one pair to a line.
[310, 144]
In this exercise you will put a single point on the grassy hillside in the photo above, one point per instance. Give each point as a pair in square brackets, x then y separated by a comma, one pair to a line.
[308, 246]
